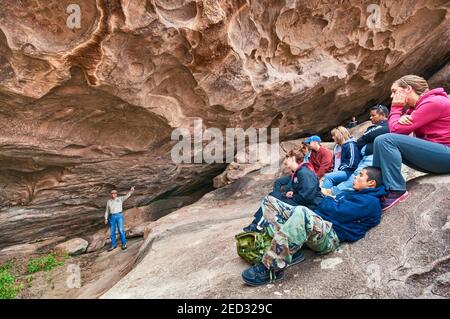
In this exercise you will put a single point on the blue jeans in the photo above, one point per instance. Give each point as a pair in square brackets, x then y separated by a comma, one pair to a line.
[335, 178]
[391, 150]
[347, 185]
[117, 219]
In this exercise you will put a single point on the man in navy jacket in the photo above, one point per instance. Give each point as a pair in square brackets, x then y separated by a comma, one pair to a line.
[378, 117]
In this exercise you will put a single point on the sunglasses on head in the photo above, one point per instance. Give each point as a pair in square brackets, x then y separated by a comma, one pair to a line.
[406, 83]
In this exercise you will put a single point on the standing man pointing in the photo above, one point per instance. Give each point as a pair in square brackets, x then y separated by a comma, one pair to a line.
[113, 214]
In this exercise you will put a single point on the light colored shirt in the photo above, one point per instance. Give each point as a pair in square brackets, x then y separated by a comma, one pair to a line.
[337, 157]
[114, 206]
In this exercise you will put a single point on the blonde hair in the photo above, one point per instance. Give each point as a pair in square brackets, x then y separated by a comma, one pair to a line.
[418, 84]
[341, 134]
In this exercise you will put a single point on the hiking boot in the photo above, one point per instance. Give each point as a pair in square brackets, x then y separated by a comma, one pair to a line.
[252, 228]
[392, 198]
[297, 258]
[124, 247]
[258, 275]
[111, 248]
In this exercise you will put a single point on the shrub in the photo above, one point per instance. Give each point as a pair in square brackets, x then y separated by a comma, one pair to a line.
[8, 287]
[45, 263]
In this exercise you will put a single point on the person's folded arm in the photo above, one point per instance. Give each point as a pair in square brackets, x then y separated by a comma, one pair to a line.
[307, 191]
[346, 210]
[375, 132]
[289, 187]
[348, 157]
[362, 141]
[427, 113]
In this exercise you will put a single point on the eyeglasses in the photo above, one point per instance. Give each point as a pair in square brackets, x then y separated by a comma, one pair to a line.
[406, 83]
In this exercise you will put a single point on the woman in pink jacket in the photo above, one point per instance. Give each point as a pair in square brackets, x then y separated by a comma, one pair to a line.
[427, 119]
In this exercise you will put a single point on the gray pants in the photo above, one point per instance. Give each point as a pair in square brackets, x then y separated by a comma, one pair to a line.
[391, 150]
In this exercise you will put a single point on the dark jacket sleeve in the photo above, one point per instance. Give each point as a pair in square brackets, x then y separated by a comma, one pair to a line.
[307, 188]
[349, 156]
[289, 187]
[364, 139]
[369, 137]
[425, 113]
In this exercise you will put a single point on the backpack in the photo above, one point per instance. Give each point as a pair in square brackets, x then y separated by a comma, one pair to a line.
[251, 246]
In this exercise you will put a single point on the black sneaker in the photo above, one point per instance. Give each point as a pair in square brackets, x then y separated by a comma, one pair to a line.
[111, 248]
[252, 228]
[297, 258]
[124, 247]
[258, 275]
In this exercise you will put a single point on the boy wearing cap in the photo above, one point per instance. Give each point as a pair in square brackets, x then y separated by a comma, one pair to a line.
[113, 214]
[321, 158]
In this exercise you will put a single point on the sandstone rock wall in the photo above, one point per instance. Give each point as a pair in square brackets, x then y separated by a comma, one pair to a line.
[88, 109]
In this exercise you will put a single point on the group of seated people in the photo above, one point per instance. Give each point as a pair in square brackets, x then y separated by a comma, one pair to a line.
[334, 197]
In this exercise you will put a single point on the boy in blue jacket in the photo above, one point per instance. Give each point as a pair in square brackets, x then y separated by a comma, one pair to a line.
[346, 218]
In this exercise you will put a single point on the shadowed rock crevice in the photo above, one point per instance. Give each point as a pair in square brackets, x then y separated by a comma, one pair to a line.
[63, 153]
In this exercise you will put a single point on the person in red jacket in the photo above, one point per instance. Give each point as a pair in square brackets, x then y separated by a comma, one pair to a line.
[321, 158]
[427, 117]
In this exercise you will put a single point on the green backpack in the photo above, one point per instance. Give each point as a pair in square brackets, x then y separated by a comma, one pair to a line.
[251, 246]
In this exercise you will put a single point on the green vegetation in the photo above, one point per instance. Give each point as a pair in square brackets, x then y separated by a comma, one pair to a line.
[45, 263]
[13, 279]
[8, 285]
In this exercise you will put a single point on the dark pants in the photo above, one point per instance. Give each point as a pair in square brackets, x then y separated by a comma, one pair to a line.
[391, 150]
